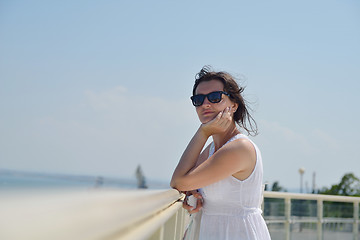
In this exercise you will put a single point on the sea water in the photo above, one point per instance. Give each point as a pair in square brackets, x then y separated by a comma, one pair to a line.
[17, 180]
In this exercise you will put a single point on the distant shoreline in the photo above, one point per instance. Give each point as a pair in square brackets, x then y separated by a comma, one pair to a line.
[17, 180]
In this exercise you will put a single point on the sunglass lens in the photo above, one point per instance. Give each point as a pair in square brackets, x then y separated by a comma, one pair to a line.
[198, 100]
[214, 97]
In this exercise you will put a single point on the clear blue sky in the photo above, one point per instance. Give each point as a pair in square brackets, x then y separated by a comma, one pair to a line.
[85, 84]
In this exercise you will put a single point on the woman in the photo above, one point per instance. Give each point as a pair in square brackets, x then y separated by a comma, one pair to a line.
[228, 173]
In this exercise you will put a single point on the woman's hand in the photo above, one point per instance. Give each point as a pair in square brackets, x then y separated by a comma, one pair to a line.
[196, 204]
[219, 124]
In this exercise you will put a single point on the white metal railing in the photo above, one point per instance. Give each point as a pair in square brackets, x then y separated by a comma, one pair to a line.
[135, 215]
[319, 219]
[92, 215]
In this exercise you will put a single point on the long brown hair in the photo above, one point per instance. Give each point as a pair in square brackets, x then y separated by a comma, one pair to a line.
[242, 115]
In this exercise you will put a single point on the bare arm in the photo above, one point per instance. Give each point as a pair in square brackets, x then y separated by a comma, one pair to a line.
[189, 158]
[235, 157]
[192, 153]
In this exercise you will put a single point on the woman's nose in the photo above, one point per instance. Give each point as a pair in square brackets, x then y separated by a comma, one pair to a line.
[206, 102]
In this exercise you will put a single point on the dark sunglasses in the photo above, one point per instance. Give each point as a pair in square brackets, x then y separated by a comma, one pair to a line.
[213, 97]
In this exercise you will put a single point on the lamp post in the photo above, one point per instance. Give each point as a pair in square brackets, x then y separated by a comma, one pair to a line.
[301, 171]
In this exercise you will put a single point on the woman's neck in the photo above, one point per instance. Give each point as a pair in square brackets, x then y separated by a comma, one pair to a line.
[221, 139]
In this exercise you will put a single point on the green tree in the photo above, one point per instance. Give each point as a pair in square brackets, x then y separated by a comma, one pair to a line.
[348, 186]
[277, 188]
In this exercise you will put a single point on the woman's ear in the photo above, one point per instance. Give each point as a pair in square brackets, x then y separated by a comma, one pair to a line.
[234, 107]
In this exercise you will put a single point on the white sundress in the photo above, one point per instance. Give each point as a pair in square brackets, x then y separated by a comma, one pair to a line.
[231, 209]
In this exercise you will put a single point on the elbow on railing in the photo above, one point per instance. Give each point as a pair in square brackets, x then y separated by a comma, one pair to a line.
[180, 184]
[174, 183]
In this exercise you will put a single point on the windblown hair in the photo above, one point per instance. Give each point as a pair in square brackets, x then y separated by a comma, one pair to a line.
[242, 115]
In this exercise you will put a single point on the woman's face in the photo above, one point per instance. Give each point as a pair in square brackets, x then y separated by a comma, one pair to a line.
[208, 111]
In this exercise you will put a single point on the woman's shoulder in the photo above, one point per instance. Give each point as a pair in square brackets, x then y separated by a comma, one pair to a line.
[240, 142]
[241, 148]
[244, 150]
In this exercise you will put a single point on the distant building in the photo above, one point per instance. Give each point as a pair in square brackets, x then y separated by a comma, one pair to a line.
[99, 181]
[141, 182]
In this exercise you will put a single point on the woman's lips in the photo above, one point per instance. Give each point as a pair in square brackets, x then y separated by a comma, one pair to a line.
[207, 112]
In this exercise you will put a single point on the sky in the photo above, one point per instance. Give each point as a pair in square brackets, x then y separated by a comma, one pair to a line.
[99, 87]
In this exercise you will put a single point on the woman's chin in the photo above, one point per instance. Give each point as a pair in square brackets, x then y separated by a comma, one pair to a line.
[205, 119]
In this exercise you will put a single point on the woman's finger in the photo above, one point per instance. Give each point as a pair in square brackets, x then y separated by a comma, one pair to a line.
[225, 118]
[187, 206]
[198, 207]
[197, 195]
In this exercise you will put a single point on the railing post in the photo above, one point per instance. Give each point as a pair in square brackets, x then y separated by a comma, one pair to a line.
[178, 224]
[176, 229]
[159, 234]
[356, 220]
[287, 217]
[181, 223]
[320, 214]
[170, 228]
